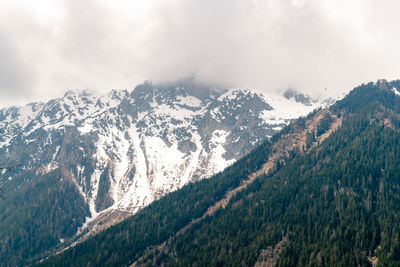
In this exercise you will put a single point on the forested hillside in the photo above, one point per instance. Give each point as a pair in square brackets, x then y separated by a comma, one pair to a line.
[28, 226]
[124, 242]
[332, 198]
[86, 161]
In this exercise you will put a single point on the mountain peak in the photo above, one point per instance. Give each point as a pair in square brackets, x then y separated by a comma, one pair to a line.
[391, 87]
[340, 163]
[382, 83]
[120, 151]
[298, 97]
[366, 96]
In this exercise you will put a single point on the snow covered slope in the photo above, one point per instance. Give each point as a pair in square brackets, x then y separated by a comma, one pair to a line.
[124, 150]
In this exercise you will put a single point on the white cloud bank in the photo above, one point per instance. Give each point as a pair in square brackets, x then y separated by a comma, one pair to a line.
[50, 46]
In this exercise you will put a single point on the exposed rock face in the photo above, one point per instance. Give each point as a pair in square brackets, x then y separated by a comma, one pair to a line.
[124, 150]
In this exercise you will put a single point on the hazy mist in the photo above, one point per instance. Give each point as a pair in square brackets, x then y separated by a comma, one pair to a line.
[48, 47]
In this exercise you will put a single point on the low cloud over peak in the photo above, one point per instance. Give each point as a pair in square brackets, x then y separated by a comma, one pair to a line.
[48, 47]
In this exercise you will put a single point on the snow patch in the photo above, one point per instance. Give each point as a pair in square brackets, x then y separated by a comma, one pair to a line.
[143, 153]
[193, 161]
[284, 110]
[140, 189]
[190, 101]
[218, 162]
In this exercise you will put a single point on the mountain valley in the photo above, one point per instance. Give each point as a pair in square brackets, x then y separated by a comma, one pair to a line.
[322, 192]
[95, 160]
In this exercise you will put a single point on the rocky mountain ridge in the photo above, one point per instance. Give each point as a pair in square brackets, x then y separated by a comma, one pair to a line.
[323, 191]
[123, 150]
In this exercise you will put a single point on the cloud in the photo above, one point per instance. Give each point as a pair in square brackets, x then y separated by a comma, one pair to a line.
[14, 75]
[48, 47]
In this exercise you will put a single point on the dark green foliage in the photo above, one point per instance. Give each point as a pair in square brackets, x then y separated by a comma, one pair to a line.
[371, 94]
[334, 203]
[310, 139]
[338, 204]
[324, 124]
[30, 223]
[395, 121]
[123, 243]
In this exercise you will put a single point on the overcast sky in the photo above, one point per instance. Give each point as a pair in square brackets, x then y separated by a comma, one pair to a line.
[50, 46]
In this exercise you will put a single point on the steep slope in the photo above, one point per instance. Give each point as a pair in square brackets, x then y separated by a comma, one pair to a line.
[326, 193]
[110, 155]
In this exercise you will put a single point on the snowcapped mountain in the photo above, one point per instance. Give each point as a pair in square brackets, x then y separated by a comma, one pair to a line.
[123, 150]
